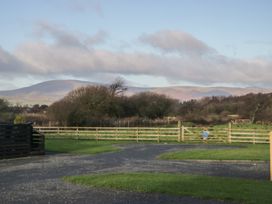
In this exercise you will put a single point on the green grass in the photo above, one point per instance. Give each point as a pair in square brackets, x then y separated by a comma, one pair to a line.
[231, 189]
[257, 152]
[79, 146]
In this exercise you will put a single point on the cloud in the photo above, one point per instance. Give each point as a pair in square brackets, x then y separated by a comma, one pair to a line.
[60, 36]
[63, 38]
[54, 60]
[176, 41]
[10, 64]
[70, 55]
[98, 38]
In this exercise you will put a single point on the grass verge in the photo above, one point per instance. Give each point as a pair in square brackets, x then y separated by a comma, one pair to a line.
[258, 152]
[79, 146]
[230, 189]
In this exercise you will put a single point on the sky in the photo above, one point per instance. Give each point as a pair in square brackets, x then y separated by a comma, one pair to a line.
[145, 42]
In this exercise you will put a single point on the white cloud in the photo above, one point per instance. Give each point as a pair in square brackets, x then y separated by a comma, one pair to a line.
[63, 38]
[70, 55]
[176, 41]
[60, 36]
[98, 38]
[54, 59]
[10, 64]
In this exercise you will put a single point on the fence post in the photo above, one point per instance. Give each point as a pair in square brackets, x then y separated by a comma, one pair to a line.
[182, 133]
[158, 135]
[179, 131]
[137, 134]
[229, 133]
[270, 139]
[96, 134]
[254, 136]
[77, 136]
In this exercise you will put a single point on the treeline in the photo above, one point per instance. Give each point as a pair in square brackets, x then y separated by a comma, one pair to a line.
[17, 113]
[253, 107]
[87, 105]
[93, 105]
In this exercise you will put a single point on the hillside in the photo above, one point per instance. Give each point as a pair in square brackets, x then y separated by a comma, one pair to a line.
[50, 91]
[43, 93]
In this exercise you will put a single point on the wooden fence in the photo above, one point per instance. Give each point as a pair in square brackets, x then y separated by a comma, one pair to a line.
[179, 134]
[20, 140]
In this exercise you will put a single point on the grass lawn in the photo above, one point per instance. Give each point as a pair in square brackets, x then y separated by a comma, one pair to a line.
[248, 152]
[79, 146]
[232, 189]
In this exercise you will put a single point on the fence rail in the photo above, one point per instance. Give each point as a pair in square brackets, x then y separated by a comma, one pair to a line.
[179, 134]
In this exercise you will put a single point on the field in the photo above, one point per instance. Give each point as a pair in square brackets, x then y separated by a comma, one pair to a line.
[229, 189]
[247, 152]
[179, 184]
[98, 164]
[258, 152]
[79, 146]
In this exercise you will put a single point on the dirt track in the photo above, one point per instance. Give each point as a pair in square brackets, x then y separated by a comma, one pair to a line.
[38, 179]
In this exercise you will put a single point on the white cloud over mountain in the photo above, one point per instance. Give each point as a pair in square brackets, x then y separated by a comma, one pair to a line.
[62, 52]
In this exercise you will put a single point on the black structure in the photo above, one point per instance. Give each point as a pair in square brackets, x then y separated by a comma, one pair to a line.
[20, 140]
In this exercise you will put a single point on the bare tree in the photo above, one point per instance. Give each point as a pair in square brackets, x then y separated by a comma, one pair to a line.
[117, 87]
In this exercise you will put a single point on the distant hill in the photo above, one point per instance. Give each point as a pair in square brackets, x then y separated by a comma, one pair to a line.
[43, 93]
[51, 91]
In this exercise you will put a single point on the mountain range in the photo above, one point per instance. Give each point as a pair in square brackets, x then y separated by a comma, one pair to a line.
[50, 91]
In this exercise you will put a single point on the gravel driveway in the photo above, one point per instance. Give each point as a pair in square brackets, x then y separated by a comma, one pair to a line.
[38, 179]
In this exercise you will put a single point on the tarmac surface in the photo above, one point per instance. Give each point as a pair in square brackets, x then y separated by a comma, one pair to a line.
[39, 179]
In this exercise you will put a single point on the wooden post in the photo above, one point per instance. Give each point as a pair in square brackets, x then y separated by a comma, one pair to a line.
[137, 134]
[77, 134]
[179, 131]
[182, 133]
[96, 134]
[158, 135]
[229, 133]
[270, 155]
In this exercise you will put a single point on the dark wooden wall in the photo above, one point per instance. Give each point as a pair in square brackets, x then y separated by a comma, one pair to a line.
[19, 140]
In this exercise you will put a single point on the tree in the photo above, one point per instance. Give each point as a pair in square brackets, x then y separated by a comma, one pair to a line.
[117, 87]
[90, 103]
[152, 105]
[19, 119]
[6, 114]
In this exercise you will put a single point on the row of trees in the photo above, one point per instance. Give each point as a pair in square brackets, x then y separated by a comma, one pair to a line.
[254, 107]
[18, 113]
[87, 105]
[5, 111]
[92, 104]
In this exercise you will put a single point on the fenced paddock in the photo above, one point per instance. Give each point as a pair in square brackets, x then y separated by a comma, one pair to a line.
[20, 140]
[178, 134]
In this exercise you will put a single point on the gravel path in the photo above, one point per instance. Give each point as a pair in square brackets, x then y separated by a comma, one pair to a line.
[38, 179]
